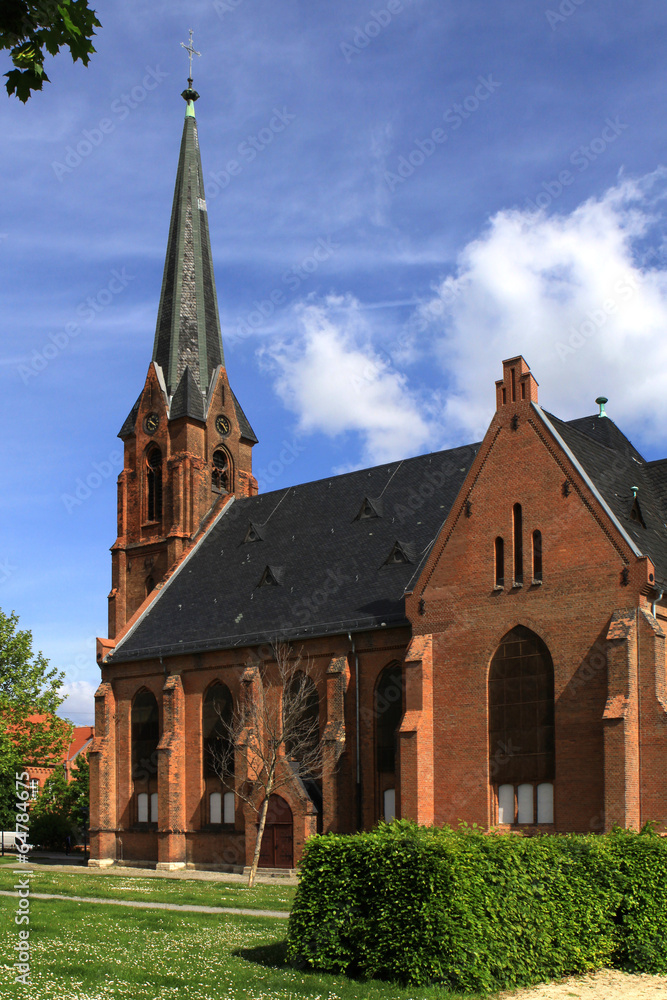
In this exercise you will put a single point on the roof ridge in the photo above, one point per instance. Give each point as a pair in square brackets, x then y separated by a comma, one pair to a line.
[589, 437]
[371, 468]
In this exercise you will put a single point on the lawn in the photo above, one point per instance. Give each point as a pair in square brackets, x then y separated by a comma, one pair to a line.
[83, 952]
[160, 890]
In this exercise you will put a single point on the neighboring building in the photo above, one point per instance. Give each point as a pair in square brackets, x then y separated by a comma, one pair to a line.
[82, 738]
[487, 623]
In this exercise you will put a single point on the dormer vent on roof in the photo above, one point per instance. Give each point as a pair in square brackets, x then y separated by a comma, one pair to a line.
[271, 577]
[369, 508]
[253, 534]
[635, 510]
[402, 552]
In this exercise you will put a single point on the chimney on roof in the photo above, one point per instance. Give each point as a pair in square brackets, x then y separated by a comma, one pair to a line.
[601, 400]
[517, 385]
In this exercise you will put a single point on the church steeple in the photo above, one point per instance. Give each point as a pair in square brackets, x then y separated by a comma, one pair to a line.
[187, 334]
[188, 444]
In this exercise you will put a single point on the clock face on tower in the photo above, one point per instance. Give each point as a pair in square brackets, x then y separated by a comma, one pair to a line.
[151, 423]
[222, 425]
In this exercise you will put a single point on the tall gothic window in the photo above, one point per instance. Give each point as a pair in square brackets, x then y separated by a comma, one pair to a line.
[518, 543]
[301, 716]
[388, 711]
[154, 484]
[500, 562]
[221, 478]
[521, 728]
[217, 711]
[145, 729]
[537, 556]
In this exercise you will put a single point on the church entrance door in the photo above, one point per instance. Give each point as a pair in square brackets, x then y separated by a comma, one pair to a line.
[276, 849]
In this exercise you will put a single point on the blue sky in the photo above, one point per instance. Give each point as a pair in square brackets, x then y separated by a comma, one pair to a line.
[429, 186]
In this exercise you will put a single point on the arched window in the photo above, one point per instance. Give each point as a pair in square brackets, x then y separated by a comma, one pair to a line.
[500, 562]
[154, 484]
[537, 557]
[217, 712]
[301, 721]
[518, 543]
[388, 711]
[145, 735]
[221, 478]
[521, 728]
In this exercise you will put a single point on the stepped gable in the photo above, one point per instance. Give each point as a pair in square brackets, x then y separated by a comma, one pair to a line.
[332, 574]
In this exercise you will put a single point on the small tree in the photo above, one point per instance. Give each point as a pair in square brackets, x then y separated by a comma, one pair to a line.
[61, 808]
[78, 792]
[50, 821]
[276, 729]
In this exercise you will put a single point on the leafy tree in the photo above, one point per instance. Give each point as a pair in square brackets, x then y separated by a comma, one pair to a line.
[30, 731]
[31, 29]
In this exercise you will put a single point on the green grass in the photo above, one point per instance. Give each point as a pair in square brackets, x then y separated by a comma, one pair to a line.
[159, 890]
[83, 952]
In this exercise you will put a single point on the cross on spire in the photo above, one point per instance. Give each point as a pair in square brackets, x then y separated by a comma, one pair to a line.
[191, 51]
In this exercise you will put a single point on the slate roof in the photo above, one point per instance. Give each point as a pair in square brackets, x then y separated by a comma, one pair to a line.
[130, 420]
[188, 327]
[188, 400]
[615, 466]
[244, 424]
[188, 343]
[329, 563]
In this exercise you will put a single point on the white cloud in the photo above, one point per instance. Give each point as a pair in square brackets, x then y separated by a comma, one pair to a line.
[79, 704]
[332, 377]
[580, 295]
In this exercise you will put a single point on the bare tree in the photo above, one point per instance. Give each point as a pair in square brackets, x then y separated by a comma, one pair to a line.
[274, 732]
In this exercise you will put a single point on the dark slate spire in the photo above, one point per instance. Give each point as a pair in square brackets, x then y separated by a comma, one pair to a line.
[187, 335]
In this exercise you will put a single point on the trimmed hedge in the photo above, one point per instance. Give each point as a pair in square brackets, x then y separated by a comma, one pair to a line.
[479, 912]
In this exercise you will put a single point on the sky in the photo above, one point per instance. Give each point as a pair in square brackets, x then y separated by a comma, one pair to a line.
[400, 195]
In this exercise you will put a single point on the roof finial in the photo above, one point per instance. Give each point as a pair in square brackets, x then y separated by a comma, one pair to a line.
[190, 95]
[601, 400]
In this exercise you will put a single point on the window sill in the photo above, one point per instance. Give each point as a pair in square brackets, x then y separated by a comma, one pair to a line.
[498, 586]
[516, 585]
[526, 827]
[536, 583]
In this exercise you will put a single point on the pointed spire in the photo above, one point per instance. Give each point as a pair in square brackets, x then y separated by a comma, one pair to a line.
[187, 334]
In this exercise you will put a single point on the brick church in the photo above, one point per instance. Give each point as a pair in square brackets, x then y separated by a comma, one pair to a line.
[486, 624]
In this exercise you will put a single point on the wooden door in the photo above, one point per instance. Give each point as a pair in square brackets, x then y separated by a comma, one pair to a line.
[276, 849]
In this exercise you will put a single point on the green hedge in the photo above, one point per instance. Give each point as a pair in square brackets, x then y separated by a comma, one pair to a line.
[479, 912]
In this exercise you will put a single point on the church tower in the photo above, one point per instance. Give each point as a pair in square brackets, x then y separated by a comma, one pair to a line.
[187, 441]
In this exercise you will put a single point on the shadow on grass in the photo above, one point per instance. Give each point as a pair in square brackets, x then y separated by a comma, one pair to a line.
[273, 955]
